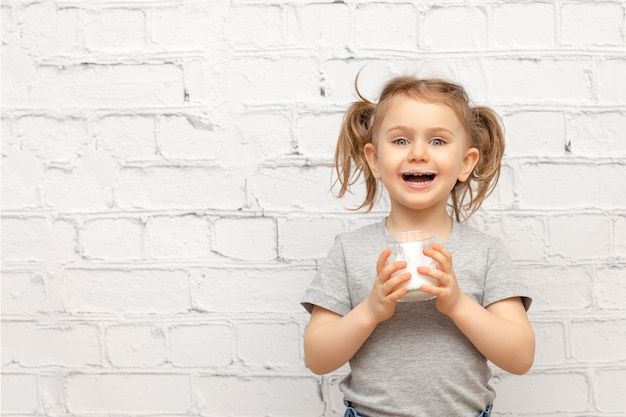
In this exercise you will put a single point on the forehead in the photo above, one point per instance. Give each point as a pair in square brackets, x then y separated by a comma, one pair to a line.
[418, 112]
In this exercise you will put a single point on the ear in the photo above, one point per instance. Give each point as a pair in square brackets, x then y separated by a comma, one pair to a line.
[469, 162]
[372, 159]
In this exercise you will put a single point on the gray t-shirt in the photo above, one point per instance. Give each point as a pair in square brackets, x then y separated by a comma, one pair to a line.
[417, 363]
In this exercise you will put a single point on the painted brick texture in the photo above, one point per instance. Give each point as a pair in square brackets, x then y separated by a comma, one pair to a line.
[165, 193]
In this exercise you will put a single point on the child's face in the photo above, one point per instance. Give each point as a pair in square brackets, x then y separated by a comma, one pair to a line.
[420, 150]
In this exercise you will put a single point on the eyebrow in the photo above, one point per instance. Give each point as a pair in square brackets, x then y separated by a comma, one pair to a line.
[406, 128]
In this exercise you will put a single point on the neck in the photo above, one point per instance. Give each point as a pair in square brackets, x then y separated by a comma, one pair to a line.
[404, 219]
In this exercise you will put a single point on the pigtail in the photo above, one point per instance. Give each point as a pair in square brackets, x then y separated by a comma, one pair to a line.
[487, 135]
[350, 162]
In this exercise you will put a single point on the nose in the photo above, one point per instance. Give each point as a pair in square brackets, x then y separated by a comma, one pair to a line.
[418, 152]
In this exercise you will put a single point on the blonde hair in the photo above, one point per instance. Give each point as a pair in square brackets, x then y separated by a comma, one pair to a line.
[363, 117]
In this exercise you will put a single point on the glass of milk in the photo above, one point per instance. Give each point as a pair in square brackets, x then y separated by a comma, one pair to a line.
[408, 246]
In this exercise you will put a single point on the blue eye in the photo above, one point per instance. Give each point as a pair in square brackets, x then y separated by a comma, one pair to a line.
[437, 142]
[401, 141]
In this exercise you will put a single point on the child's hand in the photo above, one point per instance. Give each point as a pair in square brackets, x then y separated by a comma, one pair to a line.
[448, 293]
[387, 290]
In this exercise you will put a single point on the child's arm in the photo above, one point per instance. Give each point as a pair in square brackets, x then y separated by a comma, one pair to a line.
[330, 339]
[501, 331]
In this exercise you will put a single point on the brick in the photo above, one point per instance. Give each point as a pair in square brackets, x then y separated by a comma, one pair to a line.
[550, 343]
[135, 345]
[269, 344]
[112, 239]
[317, 134]
[48, 30]
[610, 287]
[53, 139]
[127, 138]
[119, 30]
[19, 394]
[334, 396]
[180, 237]
[51, 393]
[24, 293]
[187, 28]
[312, 193]
[88, 186]
[17, 76]
[22, 176]
[395, 23]
[471, 73]
[171, 187]
[8, 139]
[525, 80]
[50, 344]
[251, 239]
[609, 384]
[270, 80]
[241, 21]
[339, 76]
[128, 393]
[558, 289]
[201, 345]
[326, 25]
[277, 397]
[524, 237]
[524, 25]
[607, 72]
[503, 196]
[307, 238]
[570, 185]
[571, 237]
[535, 134]
[38, 239]
[94, 85]
[9, 23]
[470, 28]
[198, 73]
[598, 340]
[603, 23]
[186, 137]
[597, 134]
[534, 393]
[260, 290]
[620, 237]
[129, 291]
[257, 136]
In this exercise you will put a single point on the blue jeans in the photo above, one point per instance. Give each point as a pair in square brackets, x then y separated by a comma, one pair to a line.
[351, 412]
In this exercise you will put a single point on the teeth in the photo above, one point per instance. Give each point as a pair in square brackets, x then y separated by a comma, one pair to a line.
[418, 177]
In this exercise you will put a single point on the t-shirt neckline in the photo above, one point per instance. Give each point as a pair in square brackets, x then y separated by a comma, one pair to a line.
[451, 237]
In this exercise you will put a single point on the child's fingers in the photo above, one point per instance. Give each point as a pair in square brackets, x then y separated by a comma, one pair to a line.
[434, 273]
[440, 255]
[442, 249]
[436, 291]
[389, 270]
[385, 270]
[382, 260]
[398, 294]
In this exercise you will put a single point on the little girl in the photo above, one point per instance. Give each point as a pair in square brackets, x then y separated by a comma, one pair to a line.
[438, 158]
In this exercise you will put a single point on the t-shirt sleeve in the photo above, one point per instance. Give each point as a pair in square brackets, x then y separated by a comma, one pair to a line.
[329, 288]
[503, 279]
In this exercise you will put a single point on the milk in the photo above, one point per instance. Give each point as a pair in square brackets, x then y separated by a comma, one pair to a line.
[409, 247]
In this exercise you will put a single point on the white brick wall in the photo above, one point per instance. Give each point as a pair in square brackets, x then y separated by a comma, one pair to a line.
[165, 193]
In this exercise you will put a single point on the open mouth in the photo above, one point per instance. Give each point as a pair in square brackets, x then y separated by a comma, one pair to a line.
[418, 177]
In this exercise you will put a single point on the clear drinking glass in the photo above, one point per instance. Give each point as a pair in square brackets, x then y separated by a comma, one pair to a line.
[408, 246]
